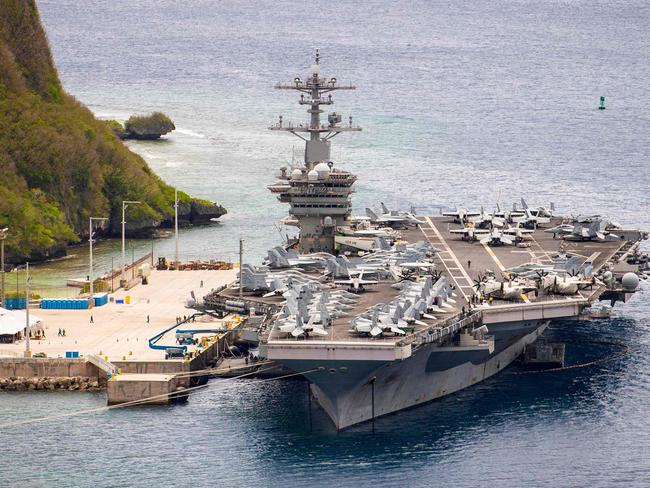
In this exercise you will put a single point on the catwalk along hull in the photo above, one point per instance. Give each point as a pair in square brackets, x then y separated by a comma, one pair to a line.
[344, 388]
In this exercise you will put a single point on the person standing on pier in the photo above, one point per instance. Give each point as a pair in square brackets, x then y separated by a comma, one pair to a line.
[92, 321]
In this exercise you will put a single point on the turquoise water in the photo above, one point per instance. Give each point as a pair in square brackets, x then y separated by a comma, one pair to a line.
[459, 103]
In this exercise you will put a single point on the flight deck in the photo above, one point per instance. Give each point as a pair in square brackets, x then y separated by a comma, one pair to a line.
[462, 262]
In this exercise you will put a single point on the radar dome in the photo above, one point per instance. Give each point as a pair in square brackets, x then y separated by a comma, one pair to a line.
[322, 169]
[630, 281]
[296, 173]
[312, 175]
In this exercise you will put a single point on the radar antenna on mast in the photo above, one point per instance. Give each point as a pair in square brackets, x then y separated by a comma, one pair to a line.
[318, 193]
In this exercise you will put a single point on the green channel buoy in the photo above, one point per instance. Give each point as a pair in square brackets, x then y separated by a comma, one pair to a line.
[602, 103]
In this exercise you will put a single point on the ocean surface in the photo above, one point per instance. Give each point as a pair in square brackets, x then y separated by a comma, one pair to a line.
[462, 103]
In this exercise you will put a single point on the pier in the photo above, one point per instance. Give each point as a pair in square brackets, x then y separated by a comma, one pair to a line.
[111, 343]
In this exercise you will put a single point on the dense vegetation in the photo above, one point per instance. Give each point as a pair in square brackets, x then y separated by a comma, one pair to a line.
[150, 126]
[58, 164]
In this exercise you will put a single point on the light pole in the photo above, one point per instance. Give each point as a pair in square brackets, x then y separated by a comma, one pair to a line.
[125, 204]
[90, 243]
[3, 236]
[28, 351]
[176, 228]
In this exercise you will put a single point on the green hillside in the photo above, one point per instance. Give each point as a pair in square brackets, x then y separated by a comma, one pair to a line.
[58, 163]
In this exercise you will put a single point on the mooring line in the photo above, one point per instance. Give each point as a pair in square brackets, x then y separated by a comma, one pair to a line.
[610, 357]
[142, 401]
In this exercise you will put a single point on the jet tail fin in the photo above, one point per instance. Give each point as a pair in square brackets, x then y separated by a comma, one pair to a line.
[381, 244]
[371, 214]
[524, 205]
[384, 208]
[276, 260]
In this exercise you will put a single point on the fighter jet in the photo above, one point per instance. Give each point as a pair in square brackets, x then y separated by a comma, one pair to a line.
[498, 238]
[518, 232]
[379, 324]
[532, 221]
[487, 220]
[594, 231]
[393, 218]
[562, 264]
[539, 211]
[512, 216]
[470, 233]
[357, 284]
[340, 266]
[295, 318]
[279, 257]
[561, 230]
[461, 215]
[297, 327]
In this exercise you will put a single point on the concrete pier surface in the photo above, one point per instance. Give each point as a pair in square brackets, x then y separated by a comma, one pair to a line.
[156, 388]
[121, 331]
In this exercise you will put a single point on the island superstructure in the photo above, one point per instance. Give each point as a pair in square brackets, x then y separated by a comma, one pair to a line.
[431, 309]
[318, 193]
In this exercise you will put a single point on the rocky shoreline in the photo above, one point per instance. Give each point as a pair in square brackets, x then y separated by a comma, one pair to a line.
[75, 383]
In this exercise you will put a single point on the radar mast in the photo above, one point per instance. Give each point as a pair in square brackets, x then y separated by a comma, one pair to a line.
[318, 193]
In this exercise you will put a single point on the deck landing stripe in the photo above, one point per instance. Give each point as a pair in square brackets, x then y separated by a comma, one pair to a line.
[453, 257]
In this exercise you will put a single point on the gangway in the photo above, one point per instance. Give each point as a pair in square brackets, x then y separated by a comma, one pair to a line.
[102, 364]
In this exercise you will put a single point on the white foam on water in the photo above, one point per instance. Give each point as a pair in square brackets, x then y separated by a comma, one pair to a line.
[189, 132]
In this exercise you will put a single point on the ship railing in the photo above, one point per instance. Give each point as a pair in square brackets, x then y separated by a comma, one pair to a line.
[439, 331]
[340, 191]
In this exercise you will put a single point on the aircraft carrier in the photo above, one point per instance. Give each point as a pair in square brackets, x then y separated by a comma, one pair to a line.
[393, 309]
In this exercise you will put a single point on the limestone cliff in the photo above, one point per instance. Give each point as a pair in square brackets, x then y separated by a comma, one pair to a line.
[59, 165]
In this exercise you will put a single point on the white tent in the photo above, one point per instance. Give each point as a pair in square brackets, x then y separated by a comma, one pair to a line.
[13, 321]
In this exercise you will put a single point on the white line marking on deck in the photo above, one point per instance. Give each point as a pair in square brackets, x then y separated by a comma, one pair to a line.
[453, 257]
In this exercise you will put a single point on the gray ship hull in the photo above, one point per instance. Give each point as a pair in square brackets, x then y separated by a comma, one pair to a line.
[344, 389]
